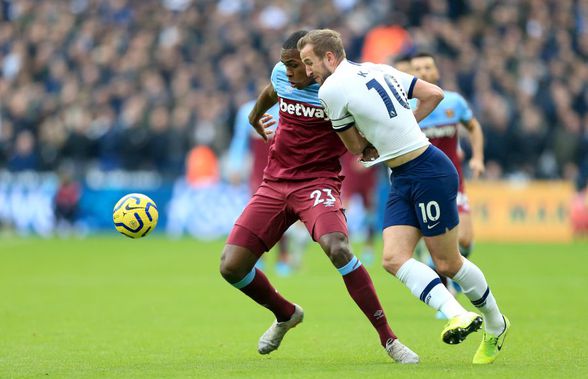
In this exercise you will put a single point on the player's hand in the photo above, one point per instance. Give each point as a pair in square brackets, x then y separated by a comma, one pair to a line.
[477, 166]
[262, 125]
[369, 154]
[267, 121]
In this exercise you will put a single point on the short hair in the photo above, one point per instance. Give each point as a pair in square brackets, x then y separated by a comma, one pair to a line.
[292, 41]
[324, 40]
[423, 54]
[403, 58]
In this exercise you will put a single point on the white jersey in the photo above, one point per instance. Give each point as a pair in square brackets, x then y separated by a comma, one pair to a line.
[374, 98]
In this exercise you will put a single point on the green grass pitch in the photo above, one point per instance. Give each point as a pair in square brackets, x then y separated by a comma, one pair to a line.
[110, 307]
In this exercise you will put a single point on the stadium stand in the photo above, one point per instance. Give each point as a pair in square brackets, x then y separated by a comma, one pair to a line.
[135, 84]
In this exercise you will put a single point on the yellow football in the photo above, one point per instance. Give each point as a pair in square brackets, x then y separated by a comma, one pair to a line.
[135, 215]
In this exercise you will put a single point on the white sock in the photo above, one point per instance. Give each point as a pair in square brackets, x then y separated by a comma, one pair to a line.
[474, 285]
[426, 285]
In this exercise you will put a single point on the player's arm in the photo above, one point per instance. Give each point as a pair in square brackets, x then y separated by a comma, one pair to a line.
[428, 95]
[334, 102]
[355, 142]
[477, 141]
[266, 99]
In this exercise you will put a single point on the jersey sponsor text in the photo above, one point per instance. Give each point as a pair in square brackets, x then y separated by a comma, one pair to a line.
[298, 109]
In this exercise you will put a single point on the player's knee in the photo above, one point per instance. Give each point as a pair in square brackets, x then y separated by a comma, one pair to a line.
[391, 264]
[230, 268]
[447, 267]
[336, 246]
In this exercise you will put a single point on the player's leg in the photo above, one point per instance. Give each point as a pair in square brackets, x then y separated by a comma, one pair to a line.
[419, 196]
[361, 289]
[449, 262]
[421, 280]
[421, 254]
[437, 207]
[401, 235]
[237, 268]
[328, 227]
[495, 330]
[465, 238]
[248, 240]
[476, 289]
[466, 234]
[357, 280]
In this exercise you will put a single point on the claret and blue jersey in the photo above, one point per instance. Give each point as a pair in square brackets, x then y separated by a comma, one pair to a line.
[305, 145]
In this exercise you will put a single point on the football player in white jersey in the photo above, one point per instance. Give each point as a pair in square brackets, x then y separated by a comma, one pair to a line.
[368, 107]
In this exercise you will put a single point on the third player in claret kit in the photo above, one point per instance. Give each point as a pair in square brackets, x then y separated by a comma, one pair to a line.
[368, 107]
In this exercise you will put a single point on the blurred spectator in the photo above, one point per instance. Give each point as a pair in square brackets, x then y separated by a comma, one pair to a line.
[582, 183]
[529, 143]
[136, 84]
[66, 202]
[23, 157]
[202, 166]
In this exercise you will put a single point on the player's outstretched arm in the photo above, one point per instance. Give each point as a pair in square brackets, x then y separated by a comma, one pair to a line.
[429, 96]
[477, 141]
[266, 99]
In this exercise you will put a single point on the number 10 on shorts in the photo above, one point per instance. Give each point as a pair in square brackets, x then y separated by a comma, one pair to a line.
[430, 211]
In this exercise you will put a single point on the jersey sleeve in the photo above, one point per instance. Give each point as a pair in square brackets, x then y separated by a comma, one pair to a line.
[334, 101]
[274, 76]
[239, 146]
[406, 81]
[465, 112]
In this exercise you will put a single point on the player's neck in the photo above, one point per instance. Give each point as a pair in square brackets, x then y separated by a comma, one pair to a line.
[337, 63]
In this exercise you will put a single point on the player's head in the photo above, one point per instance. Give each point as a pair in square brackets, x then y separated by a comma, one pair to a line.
[321, 52]
[290, 57]
[424, 67]
[402, 63]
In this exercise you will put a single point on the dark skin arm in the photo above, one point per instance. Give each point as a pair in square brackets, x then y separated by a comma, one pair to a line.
[257, 117]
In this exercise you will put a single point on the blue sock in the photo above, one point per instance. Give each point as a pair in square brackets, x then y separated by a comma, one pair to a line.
[351, 266]
[246, 280]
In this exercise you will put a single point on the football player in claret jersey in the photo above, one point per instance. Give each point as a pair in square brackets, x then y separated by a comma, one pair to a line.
[246, 142]
[301, 182]
[368, 107]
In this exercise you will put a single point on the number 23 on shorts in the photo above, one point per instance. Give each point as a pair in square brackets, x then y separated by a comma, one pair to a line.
[323, 196]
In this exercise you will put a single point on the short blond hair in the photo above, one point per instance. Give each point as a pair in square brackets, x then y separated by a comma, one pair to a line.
[323, 40]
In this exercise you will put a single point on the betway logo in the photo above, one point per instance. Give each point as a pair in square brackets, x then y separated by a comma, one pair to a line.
[302, 110]
[440, 132]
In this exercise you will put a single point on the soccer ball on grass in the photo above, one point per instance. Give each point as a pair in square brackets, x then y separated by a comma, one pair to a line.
[135, 215]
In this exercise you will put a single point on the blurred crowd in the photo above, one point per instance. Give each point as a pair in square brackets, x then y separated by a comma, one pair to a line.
[136, 84]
